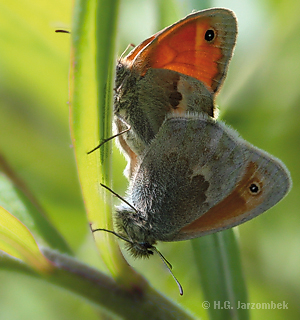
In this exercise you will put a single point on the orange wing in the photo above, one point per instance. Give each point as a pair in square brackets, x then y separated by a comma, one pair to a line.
[200, 46]
[135, 51]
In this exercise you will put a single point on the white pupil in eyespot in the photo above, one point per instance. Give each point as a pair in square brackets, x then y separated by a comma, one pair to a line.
[209, 35]
[254, 188]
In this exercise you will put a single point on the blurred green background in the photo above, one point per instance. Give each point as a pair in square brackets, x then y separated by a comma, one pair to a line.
[260, 99]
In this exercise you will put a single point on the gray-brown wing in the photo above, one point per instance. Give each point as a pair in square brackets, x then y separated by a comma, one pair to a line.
[195, 165]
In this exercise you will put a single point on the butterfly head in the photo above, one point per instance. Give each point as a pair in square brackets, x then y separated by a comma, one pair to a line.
[121, 72]
[134, 227]
[140, 249]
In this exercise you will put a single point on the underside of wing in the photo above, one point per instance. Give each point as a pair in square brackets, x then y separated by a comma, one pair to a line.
[200, 46]
[199, 177]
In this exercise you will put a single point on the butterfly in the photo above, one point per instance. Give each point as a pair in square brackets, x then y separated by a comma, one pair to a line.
[197, 177]
[181, 68]
[190, 175]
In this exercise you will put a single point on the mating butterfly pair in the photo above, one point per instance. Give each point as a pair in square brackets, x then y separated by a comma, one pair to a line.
[190, 175]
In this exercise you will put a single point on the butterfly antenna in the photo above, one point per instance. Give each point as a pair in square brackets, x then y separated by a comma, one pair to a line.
[114, 136]
[127, 48]
[114, 233]
[169, 267]
[118, 196]
[163, 258]
[106, 140]
[62, 31]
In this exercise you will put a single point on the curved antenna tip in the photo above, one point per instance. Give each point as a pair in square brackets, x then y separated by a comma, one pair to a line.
[169, 267]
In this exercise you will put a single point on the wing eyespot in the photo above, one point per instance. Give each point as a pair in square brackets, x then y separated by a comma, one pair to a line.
[254, 188]
[210, 35]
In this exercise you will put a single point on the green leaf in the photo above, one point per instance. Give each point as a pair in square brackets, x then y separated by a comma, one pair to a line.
[16, 198]
[218, 260]
[91, 120]
[16, 240]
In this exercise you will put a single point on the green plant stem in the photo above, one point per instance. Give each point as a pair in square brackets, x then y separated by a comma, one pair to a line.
[101, 290]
